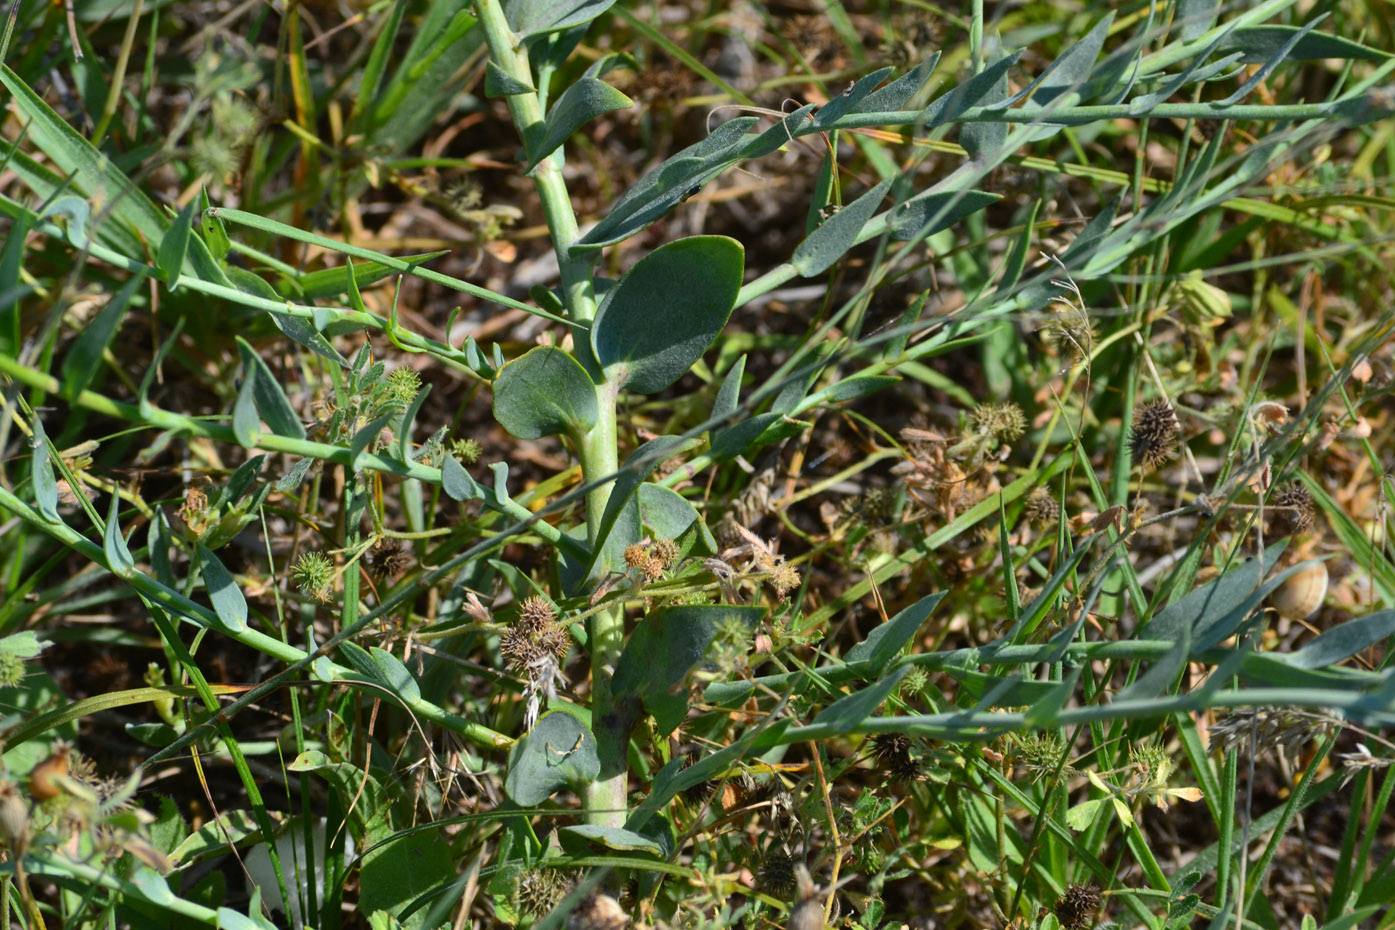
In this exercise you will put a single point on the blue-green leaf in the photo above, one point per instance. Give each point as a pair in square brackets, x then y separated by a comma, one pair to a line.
[395, 675]
[559, 752]
[886, 641]
[849, 711]
[534, 17]
[499, 83]
[365, 437]
[615, 838]
[41, 474]
[404, 429]
[174, 245]
[114, 544]
[223, 592]
[939, 211]
[545, 392]
[246, 424]
[668, 183]
[456, 481]
[664, 648]
[1261, 43]
[270, 400]
[664, 313]
[585, 100]
[84, 358]
[839, 232]
[1344, 640]
[988, 85]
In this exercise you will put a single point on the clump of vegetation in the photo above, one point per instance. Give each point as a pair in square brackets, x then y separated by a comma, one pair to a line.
[560, 463]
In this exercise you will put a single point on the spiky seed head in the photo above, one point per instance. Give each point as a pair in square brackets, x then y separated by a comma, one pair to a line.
[1042, 506]
[536, 611]
[540, 890]
[1076, 908]
[1003, 421]
[1293, 509]
[636, 554]
[893, 752]
[667, 552]
[1153, 437]
[776, 875]
[388, 559]
[533, 636]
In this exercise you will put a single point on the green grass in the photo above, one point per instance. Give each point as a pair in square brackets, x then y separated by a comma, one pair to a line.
[463, 466]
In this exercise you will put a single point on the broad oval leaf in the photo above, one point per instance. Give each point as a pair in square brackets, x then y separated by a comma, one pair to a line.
[665, 312]
[545, 392]
[456, 481]
[839, 232]
[534, 17]
[585, 100]
[223, 592]
[395, 674]
[559, 752]
[615, 838]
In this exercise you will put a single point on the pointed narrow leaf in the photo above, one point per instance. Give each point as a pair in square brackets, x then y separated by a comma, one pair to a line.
[92, 172]
[666, 184]
[41, 474]
[545, 392]
[1070, 70]
[114, 544]
[365, 437]
[899, 92]
[983, 140]
[585, 100]
[1345, 640]
[499, 83]
[729, 394]
[271, 401]
[846, 101]
[1194, 18]
[396, 675]
[987, 86]
[1278, 57]
[174, 245]
[223, 592]
[848, 712]
[1259, 44]
[84, 358]
[557, 753]
[246, 424]
[404, 430]
[839, 232]
[664, 313]
[886, 641]
[941, 211]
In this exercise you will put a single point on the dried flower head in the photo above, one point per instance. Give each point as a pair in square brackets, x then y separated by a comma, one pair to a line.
[783, 577]
[893, 752]
[540, 890]
[695, 795]
[1153, 437]
[776, 875]
[1292, 508]
[1042, 506]
[1076, 908]
[388, 559]
[536, 611]
[666, 550]
[1003, 421]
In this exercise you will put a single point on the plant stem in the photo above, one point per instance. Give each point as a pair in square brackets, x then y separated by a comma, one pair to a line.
[597, 449]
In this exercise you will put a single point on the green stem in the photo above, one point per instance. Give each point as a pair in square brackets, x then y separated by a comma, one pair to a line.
[597, 449]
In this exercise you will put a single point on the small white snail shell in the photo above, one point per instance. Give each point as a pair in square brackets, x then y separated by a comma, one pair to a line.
[1302, 593]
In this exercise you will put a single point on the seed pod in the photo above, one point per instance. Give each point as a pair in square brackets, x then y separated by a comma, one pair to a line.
[1302, 593]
